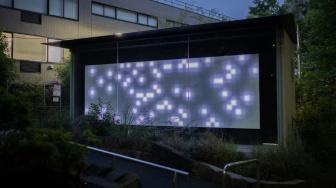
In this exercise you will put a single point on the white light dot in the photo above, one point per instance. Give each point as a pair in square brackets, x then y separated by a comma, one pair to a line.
[233, 71]
[207, 60]
[218, 80]
[228, 67]
[128, 80]
[229, 107]
[92, 92]
[125, 84]
[180, 111]
[119, 76]
[188, 94]
[255, 70]
[238, 112]
[101, 81]
[155, 86]
[247, 98]
[158, 91]
[241, 58]
[165, 102]
[233, 102]
[228, 76]
[109, 73]
[204, 111]
[109, 88]
[128, 65]
[92, 71]
[138, 103]
[170, 107]
[135, 72]
[177, 90]
[224, 93]
[141, 79]
[212, 120]
[131, 91]
[184, 115]
[155, 71]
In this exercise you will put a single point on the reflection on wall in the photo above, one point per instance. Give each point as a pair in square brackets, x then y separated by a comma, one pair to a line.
[218, 92]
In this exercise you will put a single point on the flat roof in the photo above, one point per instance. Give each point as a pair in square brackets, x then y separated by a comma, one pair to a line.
[284, 21]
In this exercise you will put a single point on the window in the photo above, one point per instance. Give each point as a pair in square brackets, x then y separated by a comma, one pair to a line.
[7, 3]
[29, 47]
[39, 6]
[30, 67]
[54, 53]
[109, 11]
[56, 7]
[9, 39]
[97, 9]
[71, 9]
[152, 21]
[142, 19]
[126, 15]
[122, 14]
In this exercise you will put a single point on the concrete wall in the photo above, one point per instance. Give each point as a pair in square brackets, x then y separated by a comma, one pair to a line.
[286, 86]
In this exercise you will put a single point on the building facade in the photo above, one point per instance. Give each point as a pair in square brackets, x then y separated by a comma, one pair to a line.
[29, 24]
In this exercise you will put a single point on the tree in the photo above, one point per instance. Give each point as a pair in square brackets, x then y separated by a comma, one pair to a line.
[264, 8]
[62, 71]
[8, 71]
[316, 115]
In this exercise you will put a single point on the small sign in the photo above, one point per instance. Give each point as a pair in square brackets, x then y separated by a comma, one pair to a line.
[55, 99]
[57, 90]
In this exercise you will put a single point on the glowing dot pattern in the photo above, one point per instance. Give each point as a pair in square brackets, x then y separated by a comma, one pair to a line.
[217, 92]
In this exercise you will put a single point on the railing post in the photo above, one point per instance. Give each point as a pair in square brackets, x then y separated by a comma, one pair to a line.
[175, 180]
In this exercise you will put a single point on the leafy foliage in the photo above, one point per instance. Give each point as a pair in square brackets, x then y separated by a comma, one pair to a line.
[265, 8]
[62, 71]
[8, 71]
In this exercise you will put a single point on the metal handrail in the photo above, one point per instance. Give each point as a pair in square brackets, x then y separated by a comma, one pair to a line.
[240, 163]
[176, 171]
[194, 9]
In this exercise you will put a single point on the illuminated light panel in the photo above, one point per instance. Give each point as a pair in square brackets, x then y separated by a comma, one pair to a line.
[141, 80]
[255, 70]
[218, 81]
[234, 101]
[167, 66]
[225, 94]
[109, 73]
[100, 81]
[139, 95]
[241, 58]
[238, 111]
[139, 64]
[193, 65]
[122, 65]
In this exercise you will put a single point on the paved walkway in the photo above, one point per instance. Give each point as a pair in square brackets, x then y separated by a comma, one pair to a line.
[150, 177]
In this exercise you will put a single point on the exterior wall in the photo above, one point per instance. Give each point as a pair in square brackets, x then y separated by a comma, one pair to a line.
[89, 25]
[286, 86]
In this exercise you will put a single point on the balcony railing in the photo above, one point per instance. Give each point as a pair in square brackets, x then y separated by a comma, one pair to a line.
[213, 13]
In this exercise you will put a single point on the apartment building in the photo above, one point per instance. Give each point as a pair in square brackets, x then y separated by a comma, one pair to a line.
[29, 24]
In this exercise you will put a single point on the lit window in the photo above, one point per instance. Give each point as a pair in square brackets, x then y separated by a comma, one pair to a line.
[29, 47]
[152, 21]
[109, 11]
[54, 53]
